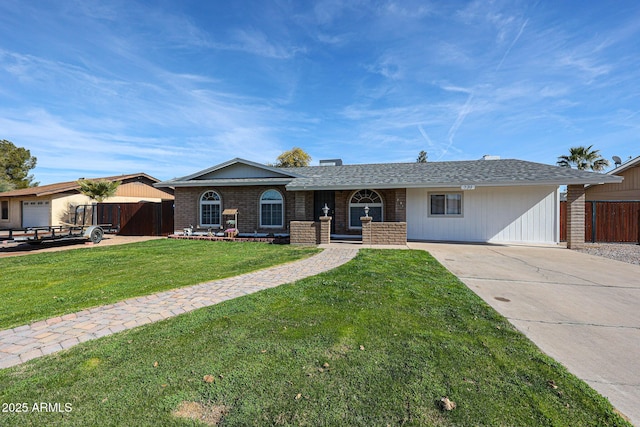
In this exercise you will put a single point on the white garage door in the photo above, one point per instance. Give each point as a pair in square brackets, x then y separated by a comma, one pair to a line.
[36, 213]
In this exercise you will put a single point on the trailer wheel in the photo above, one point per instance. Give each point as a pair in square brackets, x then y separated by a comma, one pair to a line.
[96, 235]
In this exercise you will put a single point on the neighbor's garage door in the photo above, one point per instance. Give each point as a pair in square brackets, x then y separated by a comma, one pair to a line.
[36, 213]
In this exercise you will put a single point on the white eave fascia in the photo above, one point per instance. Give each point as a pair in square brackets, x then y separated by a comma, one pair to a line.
[231, 182]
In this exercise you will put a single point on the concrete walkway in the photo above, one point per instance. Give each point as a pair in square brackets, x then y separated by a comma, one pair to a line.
[581, 310]
[27, 342]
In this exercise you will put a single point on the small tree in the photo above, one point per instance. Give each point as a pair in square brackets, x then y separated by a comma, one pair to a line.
[422, 157]
[98, 190]
[294, 158]
[583, 158]
[15, 164]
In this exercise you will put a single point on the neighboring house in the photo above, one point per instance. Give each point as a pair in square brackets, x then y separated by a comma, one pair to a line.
[54, 204]
[627, 190]
[488, 200]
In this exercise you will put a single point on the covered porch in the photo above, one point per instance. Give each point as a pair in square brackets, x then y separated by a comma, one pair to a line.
[371, 216]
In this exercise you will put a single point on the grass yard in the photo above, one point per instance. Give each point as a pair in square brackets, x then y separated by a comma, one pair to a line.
[40, 286]
[378, 341]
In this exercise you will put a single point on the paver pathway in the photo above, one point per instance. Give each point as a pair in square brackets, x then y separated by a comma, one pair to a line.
[27, 342]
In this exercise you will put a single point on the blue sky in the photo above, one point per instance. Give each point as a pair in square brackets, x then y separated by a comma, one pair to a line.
[97, 88]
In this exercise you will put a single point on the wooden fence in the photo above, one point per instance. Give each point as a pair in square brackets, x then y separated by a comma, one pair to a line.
[606, 221]
[138, 219]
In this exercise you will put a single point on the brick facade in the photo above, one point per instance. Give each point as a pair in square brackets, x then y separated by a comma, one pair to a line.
[245, 199]
[298, 206]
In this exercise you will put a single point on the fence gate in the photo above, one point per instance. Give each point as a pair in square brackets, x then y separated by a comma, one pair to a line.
[606, 221]
[138, 219]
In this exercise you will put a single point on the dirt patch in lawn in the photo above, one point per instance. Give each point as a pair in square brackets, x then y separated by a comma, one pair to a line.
[209, 414]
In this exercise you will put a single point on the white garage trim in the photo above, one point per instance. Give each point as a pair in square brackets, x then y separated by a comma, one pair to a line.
[491, 214]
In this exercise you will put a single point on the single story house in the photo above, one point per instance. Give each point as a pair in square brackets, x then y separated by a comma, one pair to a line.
[627, 190]
[54, 204]
[487, 200]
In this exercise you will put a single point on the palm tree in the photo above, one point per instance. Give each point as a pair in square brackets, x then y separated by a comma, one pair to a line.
[583, 158]
[98, 190]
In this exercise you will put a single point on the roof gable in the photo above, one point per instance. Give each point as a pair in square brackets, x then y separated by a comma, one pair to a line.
[234, 172]
[236, 169]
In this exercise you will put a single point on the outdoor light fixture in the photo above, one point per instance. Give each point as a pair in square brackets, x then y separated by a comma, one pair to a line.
[366, 211]
[325, 209]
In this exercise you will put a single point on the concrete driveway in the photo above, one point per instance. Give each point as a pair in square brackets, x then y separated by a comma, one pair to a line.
[582, 310]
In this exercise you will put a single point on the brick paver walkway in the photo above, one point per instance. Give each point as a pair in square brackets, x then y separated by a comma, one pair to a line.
[27, 342]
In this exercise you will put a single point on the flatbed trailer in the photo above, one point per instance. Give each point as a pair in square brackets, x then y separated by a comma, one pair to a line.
[38, 235]
[83, 228]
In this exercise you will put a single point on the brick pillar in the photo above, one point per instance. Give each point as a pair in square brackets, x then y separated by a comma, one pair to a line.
[325, 230]
[575, 216]
[366, 230]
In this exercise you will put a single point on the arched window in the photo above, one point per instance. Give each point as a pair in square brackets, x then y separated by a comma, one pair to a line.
[358, 201]
[271, 209]
[210, 207]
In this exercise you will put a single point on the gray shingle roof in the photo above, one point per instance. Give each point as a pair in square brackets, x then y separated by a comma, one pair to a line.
[440, 174]
[506, 172]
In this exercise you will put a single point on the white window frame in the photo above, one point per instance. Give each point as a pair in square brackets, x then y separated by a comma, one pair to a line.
[446, 198]
[280, 202]
[213, 202]
[361, 205]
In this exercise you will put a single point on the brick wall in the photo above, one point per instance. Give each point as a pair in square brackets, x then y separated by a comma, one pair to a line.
[304, 232]
[384, 233]
[311, 232]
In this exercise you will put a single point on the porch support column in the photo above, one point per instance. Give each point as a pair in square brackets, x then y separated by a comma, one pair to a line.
[325, 230]
[575, 216]
[366, 230]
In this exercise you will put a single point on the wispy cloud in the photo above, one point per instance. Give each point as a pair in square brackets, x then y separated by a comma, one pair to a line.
[462, 114]
[406, 10]
[386, 67]
[515, 40]
[425, 136]
[256, 42]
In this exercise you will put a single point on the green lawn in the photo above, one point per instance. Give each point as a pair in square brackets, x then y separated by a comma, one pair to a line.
[36, 287]
[376, 342]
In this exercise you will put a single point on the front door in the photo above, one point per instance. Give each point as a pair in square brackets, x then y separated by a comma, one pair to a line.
[319, 200]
